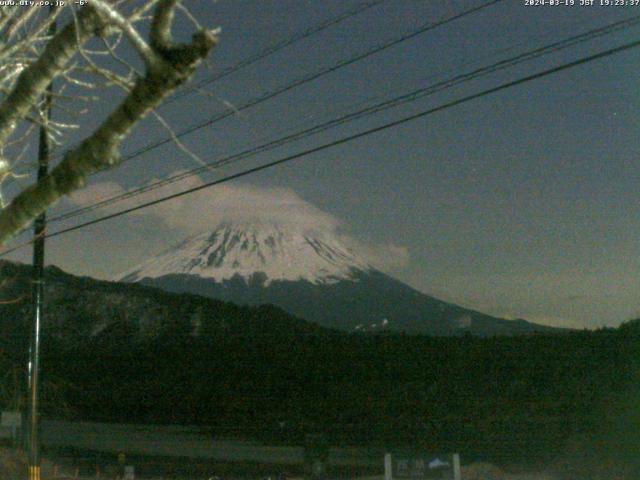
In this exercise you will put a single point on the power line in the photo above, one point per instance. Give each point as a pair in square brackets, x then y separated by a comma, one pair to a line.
[350, 138]
[309, 78]
[391, 103]
[269, 95]
[271, 50]
[276, 48]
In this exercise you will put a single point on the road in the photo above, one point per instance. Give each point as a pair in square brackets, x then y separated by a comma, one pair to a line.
[188, 442]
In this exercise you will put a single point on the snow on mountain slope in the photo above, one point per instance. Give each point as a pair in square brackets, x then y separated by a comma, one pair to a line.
[315, 275]
[281, 253]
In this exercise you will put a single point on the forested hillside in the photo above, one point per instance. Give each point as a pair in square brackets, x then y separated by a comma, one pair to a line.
[154, 357]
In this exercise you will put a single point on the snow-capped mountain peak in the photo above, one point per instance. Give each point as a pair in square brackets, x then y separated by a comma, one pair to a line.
[279, 252]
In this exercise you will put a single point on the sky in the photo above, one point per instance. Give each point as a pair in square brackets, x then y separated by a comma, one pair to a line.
[520, 204]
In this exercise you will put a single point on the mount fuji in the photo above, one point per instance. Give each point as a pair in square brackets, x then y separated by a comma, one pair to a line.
[275, 252]
[312, 274]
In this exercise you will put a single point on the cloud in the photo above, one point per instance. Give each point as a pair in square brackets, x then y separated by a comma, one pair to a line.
[95, 193]
[203, 210]
[206, 208]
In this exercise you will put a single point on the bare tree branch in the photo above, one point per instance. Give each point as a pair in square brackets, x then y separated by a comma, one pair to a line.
[34, 79]
[113, 16]
[167, 68]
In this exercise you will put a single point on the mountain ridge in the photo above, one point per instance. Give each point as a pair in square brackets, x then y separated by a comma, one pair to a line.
[246, 248]
[312, 275]
[82, 308]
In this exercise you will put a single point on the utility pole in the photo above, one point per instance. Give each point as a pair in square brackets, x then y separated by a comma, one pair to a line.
[37, 288]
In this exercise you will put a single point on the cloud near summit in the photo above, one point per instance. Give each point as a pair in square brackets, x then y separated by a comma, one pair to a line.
[205, 209]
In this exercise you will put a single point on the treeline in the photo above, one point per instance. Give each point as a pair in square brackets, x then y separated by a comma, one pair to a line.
[127, 353]
[504, 399]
